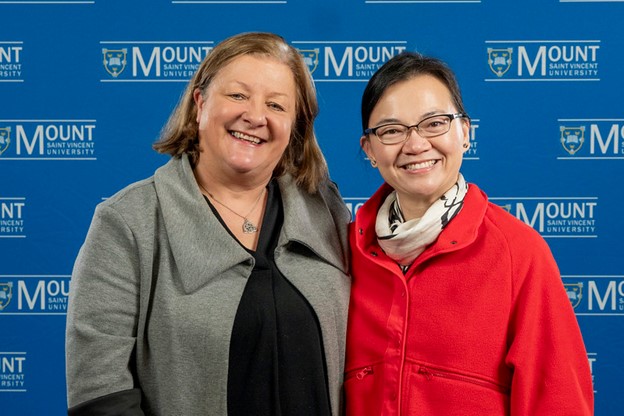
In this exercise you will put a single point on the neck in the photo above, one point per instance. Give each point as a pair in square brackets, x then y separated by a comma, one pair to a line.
[413, 207]
[223, 187]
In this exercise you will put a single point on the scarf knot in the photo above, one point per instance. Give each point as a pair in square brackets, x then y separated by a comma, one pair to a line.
[402, 240]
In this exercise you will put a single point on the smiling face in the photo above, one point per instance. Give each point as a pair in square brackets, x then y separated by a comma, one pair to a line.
[245, 118]
[420, 170]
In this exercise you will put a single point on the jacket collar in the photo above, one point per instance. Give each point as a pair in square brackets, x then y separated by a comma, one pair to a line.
[314, 221]
[459, 233]
[204, 250]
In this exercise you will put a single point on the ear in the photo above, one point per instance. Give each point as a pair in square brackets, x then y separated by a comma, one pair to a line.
[199, 103]
[366, 146]
[466, 135]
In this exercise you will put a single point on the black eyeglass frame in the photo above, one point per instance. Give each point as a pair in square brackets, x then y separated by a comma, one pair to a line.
[451, 117]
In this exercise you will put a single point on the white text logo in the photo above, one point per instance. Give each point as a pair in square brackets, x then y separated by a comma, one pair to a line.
[152, 61]
[543, 60]
[50, 139]
[347, 61]
[555, 217]
[12, 210]
[34, 294]
[595, 295]
[585, 138]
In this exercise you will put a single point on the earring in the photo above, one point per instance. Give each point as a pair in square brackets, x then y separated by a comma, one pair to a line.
[373, 163]
[466, 145]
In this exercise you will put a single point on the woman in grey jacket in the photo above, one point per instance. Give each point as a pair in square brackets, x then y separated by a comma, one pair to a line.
[219, 286]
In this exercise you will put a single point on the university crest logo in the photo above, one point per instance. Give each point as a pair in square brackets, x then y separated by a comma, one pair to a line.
[6, 293]
[572, 138]
[5, 138]
[500, 60]
[310, 57]
[114, 60]
[575, 293]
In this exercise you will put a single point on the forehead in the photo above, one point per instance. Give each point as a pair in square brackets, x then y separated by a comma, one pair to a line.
[418, 87]
[413, 97]
[258, 68]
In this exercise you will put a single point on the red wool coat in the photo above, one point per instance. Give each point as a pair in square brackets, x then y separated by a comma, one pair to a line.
[479, 326]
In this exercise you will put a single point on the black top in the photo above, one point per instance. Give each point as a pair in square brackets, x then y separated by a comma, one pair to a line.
[277, 363]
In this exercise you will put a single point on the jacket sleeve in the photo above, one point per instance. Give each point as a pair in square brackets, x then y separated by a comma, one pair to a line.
[103, 313]
[122, 403]
[551, 374]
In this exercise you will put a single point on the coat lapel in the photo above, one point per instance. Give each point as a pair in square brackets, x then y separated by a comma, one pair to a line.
[204, 250]
[309, 221]
[201, 247]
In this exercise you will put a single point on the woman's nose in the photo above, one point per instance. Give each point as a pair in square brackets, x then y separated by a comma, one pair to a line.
[415, 143]
[255, 114]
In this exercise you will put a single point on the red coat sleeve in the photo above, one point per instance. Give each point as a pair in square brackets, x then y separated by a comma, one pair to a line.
[551, 374]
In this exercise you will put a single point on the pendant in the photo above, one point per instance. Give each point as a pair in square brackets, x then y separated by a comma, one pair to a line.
[248, 227]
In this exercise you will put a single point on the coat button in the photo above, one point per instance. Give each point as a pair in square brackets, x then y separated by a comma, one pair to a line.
[361, 231]
[374, 253]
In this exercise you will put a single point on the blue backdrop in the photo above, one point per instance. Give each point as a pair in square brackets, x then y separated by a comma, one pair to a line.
[85, 87]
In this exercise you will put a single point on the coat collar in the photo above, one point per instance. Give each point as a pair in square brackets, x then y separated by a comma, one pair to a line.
[317, 221]
[459, 233]
[204, 250]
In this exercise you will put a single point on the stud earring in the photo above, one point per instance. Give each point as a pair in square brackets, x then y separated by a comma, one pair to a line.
[466, 145]
[373, 163]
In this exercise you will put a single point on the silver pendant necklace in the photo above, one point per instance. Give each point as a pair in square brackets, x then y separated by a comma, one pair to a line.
[248, 226]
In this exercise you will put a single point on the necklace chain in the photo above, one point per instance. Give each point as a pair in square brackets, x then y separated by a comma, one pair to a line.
[248, 226]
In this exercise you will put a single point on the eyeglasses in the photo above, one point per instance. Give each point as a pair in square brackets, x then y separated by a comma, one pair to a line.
[431, 126]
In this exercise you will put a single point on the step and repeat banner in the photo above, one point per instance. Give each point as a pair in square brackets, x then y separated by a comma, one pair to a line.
[86, 86]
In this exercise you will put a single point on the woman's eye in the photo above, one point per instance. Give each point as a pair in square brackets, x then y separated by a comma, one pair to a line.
[276, 106]
[434, 123]
[390, 131]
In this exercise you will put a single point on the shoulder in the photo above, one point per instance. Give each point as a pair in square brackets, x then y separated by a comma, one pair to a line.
[530, 255]
[140, 198]
[135, 207]
[326, 198]
[132, 201]
[509, 234]
[116, 225]
[495, 220]
[126, 197]
[331, 195]
[515, 231]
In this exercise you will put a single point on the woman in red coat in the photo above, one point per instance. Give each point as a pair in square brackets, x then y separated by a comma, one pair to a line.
[457, 307]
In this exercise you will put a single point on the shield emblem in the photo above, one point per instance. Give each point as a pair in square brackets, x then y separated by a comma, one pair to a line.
[572, 138]
[6, 293]
[114, 61]
[499, 60]
[5, 138]
[310, 57]
[575, 293]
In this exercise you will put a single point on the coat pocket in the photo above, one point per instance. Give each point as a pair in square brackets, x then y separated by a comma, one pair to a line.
[431, 372]
[362, 391]
[443, 391]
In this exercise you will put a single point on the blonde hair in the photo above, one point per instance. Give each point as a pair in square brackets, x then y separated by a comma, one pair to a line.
[302, 158]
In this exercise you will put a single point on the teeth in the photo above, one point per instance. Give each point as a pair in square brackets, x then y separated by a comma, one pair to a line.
[423, 165]
[245, 137]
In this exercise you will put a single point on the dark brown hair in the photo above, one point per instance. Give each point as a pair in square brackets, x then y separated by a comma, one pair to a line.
[402, 67]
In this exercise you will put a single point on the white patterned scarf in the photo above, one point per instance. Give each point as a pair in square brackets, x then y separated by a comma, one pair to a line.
[402, 240]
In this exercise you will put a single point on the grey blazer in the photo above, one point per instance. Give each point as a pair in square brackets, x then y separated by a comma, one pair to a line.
[157, 283]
